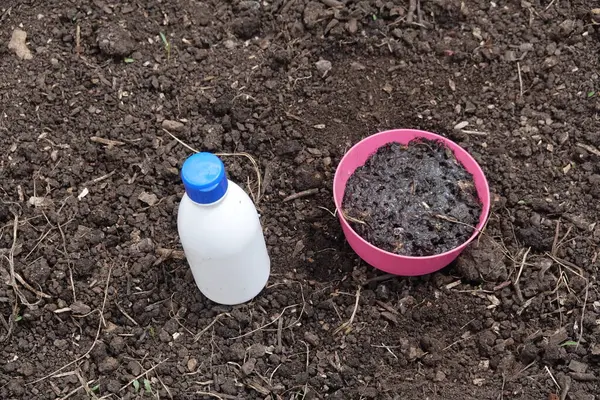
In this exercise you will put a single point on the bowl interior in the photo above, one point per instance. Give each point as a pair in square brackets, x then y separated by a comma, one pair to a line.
[360, 152]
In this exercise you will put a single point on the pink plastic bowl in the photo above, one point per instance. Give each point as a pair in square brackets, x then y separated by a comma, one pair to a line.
[381, 259]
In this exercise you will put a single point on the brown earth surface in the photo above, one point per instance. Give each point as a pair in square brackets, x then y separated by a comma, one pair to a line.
[95, 298]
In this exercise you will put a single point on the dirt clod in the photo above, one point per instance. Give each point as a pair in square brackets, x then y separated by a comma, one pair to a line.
[115, 41]
[109, 364]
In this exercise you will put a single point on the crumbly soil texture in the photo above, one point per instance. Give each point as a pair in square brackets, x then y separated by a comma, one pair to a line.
[96, 119]
[414, 200]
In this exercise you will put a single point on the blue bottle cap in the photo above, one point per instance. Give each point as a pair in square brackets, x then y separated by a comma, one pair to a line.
[203, 176]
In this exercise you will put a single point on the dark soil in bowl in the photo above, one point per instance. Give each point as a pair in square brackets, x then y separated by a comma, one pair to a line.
[414, 200]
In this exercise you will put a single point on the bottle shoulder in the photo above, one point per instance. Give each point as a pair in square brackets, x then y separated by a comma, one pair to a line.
[234, 219]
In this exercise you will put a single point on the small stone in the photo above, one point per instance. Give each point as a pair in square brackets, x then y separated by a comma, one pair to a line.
[164, 336]
[311, 338]
[461, 125]
[550, 62]
[248, 366]
[510, 56]
[173, 126]
[229, 44]
[26, 369]
[117, 345]
[352, 25]
[134, 368]
[563, 137]
[578, 366]
[61, 344]
[566, 27]
[237, 352]
[109, 364]
[470, 107]
[128, 120]
[79, 308]
[439, 376]
[581, 395]
[583, 377]
[192, 364]
[414, 353]
[18, 44]
[357, 66]
[257, 350]
[323, 66]
[148, 198]
[113, 386]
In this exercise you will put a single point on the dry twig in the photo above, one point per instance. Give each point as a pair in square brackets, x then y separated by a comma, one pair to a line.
[516, 282]
[142, 374]
[299, 195]
[255, 197]
[347, 326]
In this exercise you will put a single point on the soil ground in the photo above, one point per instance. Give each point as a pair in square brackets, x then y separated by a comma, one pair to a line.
[415, 200]
[95, 299]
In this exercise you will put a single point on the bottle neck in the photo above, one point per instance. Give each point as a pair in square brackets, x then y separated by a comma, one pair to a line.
[213, 204]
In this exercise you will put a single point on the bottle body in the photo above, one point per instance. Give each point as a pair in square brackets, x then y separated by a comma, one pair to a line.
[225, 247]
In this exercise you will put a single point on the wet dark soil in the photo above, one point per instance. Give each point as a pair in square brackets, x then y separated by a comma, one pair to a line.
[414, 200]
[95, 295]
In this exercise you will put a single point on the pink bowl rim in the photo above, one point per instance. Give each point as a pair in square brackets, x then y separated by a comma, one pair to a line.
[478, 228]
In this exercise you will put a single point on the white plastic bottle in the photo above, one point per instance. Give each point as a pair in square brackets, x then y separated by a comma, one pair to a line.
[221, 234]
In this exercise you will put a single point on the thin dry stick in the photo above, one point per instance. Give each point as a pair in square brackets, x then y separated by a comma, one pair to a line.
[352, 219]
[125, 314]
[346, 325]
[568, 265]
[142, 374]
[72, 392]
[555, 241]
[299, 195]
[552, 377]
[100, 320]
[256, 197]
[516, 283]
[267, 324]
[11, 265]
[456, 342]
[107, 142]
[582, 315]
[520, 79]
[209, 325]
[481, 231]
[216, 396]
[412, 7]
[30, 288]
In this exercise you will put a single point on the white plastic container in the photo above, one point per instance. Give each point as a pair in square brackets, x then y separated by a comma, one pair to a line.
[221, 234]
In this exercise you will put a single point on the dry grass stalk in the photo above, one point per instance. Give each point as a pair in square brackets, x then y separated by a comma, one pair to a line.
[255, 197]
[347, 326]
